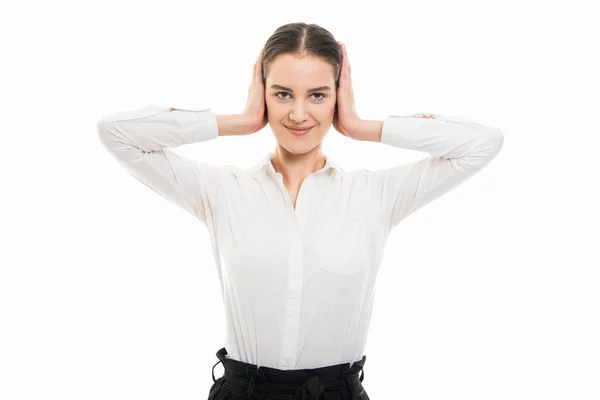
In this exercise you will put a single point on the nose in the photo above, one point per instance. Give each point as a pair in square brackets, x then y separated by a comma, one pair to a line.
[298, 113]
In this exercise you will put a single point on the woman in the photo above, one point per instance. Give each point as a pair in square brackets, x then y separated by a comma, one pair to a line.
[297, 240]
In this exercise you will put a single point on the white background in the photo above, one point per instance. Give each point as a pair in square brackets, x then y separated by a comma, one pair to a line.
[108, 291]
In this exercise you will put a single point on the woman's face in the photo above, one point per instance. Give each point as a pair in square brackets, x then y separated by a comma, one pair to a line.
[291, 102]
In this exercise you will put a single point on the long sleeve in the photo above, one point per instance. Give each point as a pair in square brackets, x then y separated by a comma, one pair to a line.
[458, 148]
[142, 141]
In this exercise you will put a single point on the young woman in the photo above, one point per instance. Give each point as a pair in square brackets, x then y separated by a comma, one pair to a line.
[297, 240]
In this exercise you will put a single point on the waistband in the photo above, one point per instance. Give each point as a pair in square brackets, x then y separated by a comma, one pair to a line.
[243, 379]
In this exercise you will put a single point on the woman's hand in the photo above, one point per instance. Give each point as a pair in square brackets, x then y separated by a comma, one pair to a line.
[345, 118]
[255, 111]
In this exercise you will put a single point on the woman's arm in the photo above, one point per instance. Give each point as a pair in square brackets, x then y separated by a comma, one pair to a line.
[142, 140]
[458, 148]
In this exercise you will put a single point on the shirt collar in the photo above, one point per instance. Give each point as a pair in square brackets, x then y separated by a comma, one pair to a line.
[265, 164]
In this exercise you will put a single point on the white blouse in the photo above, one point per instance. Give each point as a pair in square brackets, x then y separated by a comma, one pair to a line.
[297, 284]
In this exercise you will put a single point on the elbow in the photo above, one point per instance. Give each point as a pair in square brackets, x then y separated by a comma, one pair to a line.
[117, 144]
[104, 133]
[497, 140]
[490, 145]
[111, 138]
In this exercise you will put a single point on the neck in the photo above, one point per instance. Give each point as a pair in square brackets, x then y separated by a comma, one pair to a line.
[296, 167]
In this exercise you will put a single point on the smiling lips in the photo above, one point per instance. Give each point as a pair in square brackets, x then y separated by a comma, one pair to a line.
[300, 128]
[299, 131]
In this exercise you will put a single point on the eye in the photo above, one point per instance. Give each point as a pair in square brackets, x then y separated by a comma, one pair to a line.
[322, 95]
[278, 93]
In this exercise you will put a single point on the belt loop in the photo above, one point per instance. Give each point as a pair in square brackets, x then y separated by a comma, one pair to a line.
[213, 371]
[348, 373]
[221, 356]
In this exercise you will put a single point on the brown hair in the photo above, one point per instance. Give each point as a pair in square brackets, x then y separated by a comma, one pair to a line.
[300, 39]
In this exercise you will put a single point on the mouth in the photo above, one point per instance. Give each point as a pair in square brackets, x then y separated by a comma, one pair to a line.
[299, 132]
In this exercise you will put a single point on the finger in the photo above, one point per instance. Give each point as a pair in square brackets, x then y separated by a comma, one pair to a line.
[259, 63]
[256, 63]
[343, 72]
[260, 55]
[347, 60]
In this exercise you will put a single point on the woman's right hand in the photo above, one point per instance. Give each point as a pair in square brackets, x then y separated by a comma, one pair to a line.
[255, 111]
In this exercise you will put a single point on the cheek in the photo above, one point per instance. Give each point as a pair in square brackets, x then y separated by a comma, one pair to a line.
[273, 107]
[326, 113]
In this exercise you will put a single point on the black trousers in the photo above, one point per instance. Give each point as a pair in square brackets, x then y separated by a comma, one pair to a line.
[242, 381]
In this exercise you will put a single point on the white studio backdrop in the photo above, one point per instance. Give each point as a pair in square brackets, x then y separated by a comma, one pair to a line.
[108, 291]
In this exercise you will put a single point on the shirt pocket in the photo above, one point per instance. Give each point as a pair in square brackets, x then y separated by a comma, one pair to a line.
[344, 245]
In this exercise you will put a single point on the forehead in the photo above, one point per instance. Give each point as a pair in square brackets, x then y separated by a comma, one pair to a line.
[292, 71]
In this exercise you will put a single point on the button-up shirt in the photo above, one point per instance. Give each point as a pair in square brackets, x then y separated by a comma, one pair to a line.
[297, 283]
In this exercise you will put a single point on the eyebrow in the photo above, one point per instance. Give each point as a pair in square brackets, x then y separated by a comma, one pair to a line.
[309, 91]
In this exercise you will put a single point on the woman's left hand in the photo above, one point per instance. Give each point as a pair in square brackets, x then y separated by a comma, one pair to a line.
[345, 119]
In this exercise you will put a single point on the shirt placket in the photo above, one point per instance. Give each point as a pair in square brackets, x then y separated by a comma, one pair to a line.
[295, 276]
[293, 301]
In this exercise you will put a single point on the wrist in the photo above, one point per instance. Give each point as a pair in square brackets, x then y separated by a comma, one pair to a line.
[366, 130]
[233, 124]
